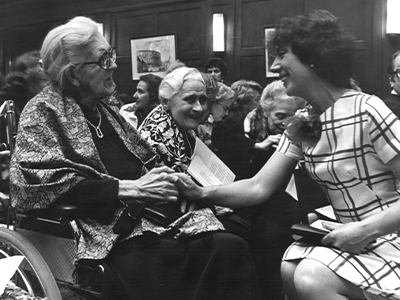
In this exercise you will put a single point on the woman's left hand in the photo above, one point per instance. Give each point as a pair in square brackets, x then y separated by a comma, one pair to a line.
[351, 237]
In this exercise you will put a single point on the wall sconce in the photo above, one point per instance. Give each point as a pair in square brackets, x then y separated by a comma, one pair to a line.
[218, 32]
[100, 28]
[392, 17]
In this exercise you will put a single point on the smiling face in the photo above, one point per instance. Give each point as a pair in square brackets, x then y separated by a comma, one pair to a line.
[94, 82]
[294, 74]
[141, 96]
[283, 109]
[189, 106]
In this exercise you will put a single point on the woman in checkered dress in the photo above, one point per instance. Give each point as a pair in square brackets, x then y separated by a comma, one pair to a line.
[350, 143]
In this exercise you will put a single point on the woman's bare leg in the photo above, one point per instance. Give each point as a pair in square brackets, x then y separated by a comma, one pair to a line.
[288, 269]
[312, 280]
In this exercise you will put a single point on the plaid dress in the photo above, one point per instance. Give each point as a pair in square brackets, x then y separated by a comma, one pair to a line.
[359, 136]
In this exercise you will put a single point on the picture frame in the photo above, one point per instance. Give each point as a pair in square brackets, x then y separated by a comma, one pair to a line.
[152, 54]
[269, 57]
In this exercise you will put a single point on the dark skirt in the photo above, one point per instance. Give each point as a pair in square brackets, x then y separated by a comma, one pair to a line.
[207, 266]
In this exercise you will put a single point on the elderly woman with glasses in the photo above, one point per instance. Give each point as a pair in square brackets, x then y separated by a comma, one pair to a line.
[73, 147]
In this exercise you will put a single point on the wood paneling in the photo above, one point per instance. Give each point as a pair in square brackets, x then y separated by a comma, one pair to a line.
[24, 24]
[251, 18]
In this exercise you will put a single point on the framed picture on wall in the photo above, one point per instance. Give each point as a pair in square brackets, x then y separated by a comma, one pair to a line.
[152, 54]
[269, 57]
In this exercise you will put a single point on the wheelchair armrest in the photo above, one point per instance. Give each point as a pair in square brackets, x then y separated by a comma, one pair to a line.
[59, 214]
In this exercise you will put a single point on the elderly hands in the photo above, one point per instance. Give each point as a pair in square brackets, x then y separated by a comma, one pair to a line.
[161, 185]
[155, 186]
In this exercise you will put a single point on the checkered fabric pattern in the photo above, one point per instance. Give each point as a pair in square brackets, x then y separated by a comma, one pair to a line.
[360, 135]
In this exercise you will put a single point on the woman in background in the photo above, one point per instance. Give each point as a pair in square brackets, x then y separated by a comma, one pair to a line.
[144, 100]
[216, 67]
[228, 137]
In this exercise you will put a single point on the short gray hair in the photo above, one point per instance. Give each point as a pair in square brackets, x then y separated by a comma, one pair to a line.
[173, 82]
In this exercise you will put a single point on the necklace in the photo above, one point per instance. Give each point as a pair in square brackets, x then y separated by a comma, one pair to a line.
[97, 128]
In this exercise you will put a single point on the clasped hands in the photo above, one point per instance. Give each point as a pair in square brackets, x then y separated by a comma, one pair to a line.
[161, 184]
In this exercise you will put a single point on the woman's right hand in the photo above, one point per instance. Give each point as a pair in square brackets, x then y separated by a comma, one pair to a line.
[155, 186]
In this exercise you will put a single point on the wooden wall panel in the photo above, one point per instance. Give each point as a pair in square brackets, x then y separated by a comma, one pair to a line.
[127, 26]
[252, 16]
[190, 35]
[24, 24]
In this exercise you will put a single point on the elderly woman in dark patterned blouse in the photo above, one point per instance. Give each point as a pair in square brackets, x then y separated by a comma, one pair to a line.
[170, 129]
[74, 147]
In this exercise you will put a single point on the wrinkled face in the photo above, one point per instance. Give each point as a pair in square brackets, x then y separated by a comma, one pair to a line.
[279, 113]
[141, 96]
[189, 106]
[394, 79]
[95, 82]
[294, 74]
[216, 73]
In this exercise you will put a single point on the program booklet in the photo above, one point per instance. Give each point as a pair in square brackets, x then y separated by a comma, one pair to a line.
[207, 169]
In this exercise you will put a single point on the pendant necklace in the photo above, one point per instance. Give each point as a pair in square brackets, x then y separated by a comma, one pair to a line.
[97, 128]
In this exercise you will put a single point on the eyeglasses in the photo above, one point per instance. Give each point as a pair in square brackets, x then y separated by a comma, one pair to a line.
[105, 59]
[396, 73]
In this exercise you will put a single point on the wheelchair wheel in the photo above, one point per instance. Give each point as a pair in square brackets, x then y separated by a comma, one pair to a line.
[33, 278]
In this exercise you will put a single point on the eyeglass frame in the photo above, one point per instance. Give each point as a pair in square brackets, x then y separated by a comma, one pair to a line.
[111, 55]
[396, 73]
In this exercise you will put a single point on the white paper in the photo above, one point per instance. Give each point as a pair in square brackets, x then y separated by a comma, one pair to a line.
[291, 188]
[8, 266]
[207, 168]
[327, 211]
[318, 224]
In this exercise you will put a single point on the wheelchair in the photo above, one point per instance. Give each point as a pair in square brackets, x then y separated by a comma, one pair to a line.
[47, 243]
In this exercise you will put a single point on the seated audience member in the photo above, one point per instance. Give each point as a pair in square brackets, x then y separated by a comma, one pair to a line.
[267, 121]
[228, 136]
[144, 100]
[393, 69]
[170, 129]
[219, 109]
[73, 147]
[216, 67]
[25, 80]
[351, 148]
[266, 124]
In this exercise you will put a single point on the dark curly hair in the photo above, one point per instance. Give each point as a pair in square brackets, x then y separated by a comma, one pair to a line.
[153, 83]
[319, 39]
[217, 62]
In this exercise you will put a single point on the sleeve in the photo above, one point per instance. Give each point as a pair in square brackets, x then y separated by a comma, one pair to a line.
[156, 129]
[383, 129]
[291, 150]
[93, 198]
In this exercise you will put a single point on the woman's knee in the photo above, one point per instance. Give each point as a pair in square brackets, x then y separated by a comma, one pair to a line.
[309, 275]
